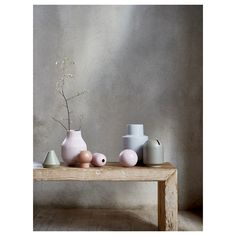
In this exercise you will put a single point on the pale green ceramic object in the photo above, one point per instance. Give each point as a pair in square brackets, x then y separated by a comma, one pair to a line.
[51, 160]
[153, 153]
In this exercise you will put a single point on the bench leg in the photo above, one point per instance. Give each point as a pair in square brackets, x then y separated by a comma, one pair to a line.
[168, 204]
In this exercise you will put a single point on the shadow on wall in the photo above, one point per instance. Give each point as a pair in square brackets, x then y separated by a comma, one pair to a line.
[191, 127]
[177, 107]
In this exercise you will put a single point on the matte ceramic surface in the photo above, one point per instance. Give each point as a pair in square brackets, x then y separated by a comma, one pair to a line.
[128, 158]
[153, 153]
[72, 146]
[51, 160]
[85, 157]
[135, 139]
[99, 159]
[135, 129]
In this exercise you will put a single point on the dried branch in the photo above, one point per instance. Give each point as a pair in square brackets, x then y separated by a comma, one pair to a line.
[59, 123]
[67, 108]
[65, 74]
[77, 95]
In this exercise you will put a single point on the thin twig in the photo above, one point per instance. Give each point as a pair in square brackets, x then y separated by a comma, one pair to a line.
[80, 121]
[61, 92]
[60, 88]
[77, 95]
[67, 108]
[59, 123]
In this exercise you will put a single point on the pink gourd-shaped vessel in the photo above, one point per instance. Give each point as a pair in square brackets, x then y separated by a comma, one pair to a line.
[99, 159]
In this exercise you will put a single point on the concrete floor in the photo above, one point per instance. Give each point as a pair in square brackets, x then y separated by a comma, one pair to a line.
[74, 219]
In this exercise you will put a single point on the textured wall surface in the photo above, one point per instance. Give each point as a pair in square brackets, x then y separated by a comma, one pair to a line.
[140, 64]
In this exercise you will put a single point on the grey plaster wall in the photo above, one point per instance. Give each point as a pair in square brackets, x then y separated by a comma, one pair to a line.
[140, 64]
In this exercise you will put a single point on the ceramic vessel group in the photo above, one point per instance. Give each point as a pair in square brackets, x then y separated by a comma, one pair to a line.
[149, 151]
[137, 148]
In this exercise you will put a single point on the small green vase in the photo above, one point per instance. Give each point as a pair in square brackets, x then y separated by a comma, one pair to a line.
[51, 160]
[153, 153]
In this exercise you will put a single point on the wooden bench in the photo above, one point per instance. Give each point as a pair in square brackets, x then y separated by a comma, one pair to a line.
[165, 174]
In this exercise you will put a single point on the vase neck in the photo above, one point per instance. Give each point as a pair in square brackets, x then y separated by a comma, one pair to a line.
[73, 133]
[135, 129]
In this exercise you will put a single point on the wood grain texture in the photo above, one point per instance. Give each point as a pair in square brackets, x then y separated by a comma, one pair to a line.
[110, 172]
[165, 174]
[168, 204]
[90, 219]
[72, 219]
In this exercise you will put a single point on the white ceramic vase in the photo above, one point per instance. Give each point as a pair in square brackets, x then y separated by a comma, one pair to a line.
[153, 153]
[72, 145]
[135, 139]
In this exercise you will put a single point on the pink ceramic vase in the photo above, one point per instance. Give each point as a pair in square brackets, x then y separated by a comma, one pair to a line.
[71, 147]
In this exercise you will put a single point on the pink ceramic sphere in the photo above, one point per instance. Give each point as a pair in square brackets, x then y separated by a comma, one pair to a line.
[99, 159]
[128, 158]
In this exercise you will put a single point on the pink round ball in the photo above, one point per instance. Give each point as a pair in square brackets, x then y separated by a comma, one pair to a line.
[99, 159]
[128, 158]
